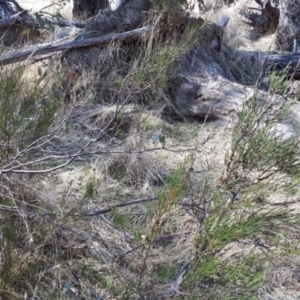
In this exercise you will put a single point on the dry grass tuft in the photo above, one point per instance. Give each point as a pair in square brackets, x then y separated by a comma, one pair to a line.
[133, 169]
[283, 277]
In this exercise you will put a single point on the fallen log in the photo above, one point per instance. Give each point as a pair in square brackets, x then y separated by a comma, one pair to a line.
[21, 55]
[203, 90]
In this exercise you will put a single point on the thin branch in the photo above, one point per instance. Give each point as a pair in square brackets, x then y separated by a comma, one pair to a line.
[284, 203]
[17, 18]
[156, 240]
[141, 151]
[122, 204]
[17, 169]
[63, 23]
[255, 8]
[35, 145]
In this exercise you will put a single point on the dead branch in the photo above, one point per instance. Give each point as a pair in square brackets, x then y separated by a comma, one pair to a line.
[14, 165]
[156, 240]
[26, 21]
[122, 204]
[22, 55]
[63, 23]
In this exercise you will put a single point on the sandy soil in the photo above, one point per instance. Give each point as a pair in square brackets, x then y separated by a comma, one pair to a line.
[34, 5]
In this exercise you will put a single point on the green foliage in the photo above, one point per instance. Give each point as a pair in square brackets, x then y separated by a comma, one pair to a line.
[246, 276]
[91, 188]
[175, 188]
[147, 126]
[26, 114]
[157, 65]
[166, 272]
[261, 161]
[7, 266]
[13, 264]
[241, 69]
[278, 82]
[258, 148]
[119, 218]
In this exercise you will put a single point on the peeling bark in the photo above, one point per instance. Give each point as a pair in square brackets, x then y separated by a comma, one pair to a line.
[289, 25]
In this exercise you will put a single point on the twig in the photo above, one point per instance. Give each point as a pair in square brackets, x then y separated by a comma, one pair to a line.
[140, 151]
[284, 203]
[63, 23]
[106, 210]
[69, 158]
[156, 240]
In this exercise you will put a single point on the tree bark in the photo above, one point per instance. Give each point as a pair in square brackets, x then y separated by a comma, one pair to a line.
[203, 91]
[289, 25]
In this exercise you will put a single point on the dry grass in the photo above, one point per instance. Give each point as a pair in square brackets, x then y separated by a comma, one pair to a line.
[238, 35]
[284, 279]
[52, 249]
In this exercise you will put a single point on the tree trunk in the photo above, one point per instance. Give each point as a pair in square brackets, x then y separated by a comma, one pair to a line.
[88, 8]
[289, 25]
